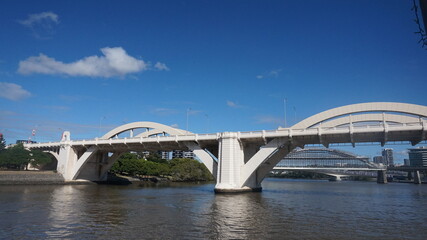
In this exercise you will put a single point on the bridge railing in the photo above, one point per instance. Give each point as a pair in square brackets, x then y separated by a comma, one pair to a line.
[282, 132]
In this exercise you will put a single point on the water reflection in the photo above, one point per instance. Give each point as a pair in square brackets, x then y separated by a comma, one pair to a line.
[284, 210]
[241, 216]
[85, 209]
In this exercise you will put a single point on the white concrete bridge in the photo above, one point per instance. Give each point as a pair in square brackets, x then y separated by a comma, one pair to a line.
[240, 160]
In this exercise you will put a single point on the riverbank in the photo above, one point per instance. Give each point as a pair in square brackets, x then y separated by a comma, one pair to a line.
[52, 177]
[30, 177]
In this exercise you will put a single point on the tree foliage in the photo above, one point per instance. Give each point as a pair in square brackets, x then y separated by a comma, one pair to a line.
[18, 158]
[40, 158]
[184, 169]
[179, 169]
[2, 143]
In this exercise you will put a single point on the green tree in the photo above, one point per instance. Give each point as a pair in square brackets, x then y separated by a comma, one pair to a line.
[16, 157]
[39, 158]
[180, 169]
[2, 143]
[155, 157]
[184, 169]
[155, 169]
[128, 164]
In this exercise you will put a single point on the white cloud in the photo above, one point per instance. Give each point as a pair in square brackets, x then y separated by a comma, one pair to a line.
[193, 112]
[274, 73]
[40, 17]
[161, 66]
[41, 24]
[13, 91]
[271, 74]
[233, 104]
[115, 62]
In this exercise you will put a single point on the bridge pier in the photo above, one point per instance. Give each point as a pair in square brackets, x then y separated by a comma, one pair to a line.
[231, 156]
[335, 178]
[242, 167]
[382, 176]
[417, 177]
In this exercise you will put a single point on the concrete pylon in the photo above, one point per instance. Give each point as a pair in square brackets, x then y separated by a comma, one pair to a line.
[231, 159]
[417, 177]
[241, 168]
[382, 176]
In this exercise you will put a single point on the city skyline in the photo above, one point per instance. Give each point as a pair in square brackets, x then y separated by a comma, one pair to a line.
[88, 67]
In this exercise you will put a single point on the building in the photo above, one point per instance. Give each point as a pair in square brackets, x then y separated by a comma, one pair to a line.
[25, 141]
[164, 155]
[177, 154]
[182, 154]
[379, 160]
[387, 155]
[189, 154]
[406, 162]
[418, 157]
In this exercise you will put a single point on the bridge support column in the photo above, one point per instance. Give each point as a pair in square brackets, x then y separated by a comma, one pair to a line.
[382, 176]
[335, 178]
[417, 177]
[67, 157]
[231, 159]
[209, 161]
[66, 161]
[106, 164]
[241, 168]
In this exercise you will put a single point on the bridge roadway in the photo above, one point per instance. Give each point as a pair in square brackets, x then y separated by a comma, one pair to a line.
[241, 160]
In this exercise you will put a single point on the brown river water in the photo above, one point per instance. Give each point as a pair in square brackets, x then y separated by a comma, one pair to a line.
[285, 209]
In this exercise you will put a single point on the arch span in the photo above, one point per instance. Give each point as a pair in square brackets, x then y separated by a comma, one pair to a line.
[392, 107]
[370, 117]
[152, 127]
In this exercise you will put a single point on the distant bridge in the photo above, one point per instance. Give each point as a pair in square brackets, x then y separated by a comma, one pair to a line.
[327, 161]
[240, 160]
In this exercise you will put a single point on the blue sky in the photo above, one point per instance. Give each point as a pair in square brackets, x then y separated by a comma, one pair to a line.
[89, 66]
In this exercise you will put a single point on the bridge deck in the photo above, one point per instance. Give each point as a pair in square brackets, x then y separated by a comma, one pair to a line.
[413, 132]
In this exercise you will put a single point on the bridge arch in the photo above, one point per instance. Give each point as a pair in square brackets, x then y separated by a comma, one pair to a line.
[374, 111]
[152, 129]
[103, 154]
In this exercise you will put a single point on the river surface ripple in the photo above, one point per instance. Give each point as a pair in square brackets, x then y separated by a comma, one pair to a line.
[285, 209]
